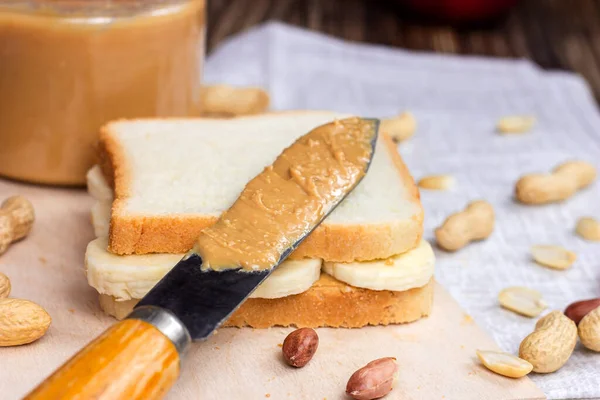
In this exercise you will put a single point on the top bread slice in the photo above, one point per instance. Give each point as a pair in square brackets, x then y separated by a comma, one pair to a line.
[174, 177]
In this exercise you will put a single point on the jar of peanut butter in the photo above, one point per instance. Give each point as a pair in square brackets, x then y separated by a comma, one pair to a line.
[69, 66]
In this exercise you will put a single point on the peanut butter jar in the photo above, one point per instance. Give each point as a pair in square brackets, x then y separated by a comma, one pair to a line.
[69, 66]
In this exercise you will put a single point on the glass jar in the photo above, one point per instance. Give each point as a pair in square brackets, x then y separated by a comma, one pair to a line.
[69, 66]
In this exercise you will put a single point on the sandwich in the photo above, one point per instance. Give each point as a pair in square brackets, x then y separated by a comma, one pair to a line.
[159, 183]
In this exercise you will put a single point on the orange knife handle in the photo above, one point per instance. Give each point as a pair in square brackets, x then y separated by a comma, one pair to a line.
[137, 358]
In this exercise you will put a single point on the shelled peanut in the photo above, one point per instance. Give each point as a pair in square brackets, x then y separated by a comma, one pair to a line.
[476, 222]
[515, 124]
[522, 300]
[576, 311]
[588, 228]
[374, 380]
[504, 364]
[554, 257]
[300, 346]
[563, 182]
[437, 182]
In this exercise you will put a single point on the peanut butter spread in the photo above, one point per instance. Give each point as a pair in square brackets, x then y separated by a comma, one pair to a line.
[284, 203]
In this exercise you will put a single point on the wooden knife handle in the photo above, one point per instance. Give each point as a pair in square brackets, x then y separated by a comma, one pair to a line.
[131, 360]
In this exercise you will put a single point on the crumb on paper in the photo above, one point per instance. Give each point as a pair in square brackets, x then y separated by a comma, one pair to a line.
[462, 346]
[467, 320]
[268, 395]
[279, 344]
[43, 260]
[72, 310]
[217, 348]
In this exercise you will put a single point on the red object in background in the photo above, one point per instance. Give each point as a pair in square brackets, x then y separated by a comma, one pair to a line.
[461, 10]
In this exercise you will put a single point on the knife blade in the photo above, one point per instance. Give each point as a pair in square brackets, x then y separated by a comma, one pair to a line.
[275, 212]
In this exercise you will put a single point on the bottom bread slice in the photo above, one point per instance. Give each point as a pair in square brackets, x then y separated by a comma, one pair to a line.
[328, 302]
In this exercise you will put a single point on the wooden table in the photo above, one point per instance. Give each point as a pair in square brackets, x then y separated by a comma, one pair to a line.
[553, 33]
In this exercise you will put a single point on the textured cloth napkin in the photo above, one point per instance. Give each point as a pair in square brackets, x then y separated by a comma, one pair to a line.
[457, 101]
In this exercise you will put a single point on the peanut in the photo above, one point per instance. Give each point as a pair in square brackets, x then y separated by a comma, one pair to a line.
[504, 364]
[551, 344]
[588, 228]
[589, 330]
[437, 182]
[562, 183]
[21, 322]
[16, 220]
[554, 257]
[476, 222]
[374, 380]
[576, 311]
[300, 346]
[401, 127]
[4, 286]
[515, 124]
[522, 300]
[229, 101]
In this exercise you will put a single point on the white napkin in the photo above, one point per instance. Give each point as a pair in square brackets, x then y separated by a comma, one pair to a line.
[457, 101]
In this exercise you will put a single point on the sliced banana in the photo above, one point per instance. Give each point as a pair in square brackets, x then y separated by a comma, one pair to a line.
[97, 186]
[402, 272]
[131, 277]
[292, 277]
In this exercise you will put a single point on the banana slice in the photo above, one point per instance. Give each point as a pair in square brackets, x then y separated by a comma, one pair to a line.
[292, 277]
[402, 272]
[131, 277]
[101, 217]
[97, 186]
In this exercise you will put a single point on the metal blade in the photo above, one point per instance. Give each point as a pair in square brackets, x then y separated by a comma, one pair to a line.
[204, 299]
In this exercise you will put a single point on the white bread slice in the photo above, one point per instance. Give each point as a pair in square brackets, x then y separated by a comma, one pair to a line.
[328, 302]
[172, 178]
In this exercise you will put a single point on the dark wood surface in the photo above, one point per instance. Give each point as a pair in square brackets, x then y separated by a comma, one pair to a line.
[563, 34]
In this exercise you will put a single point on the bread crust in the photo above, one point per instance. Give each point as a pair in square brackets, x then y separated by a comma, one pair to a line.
[131, 234]
[328, 302]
